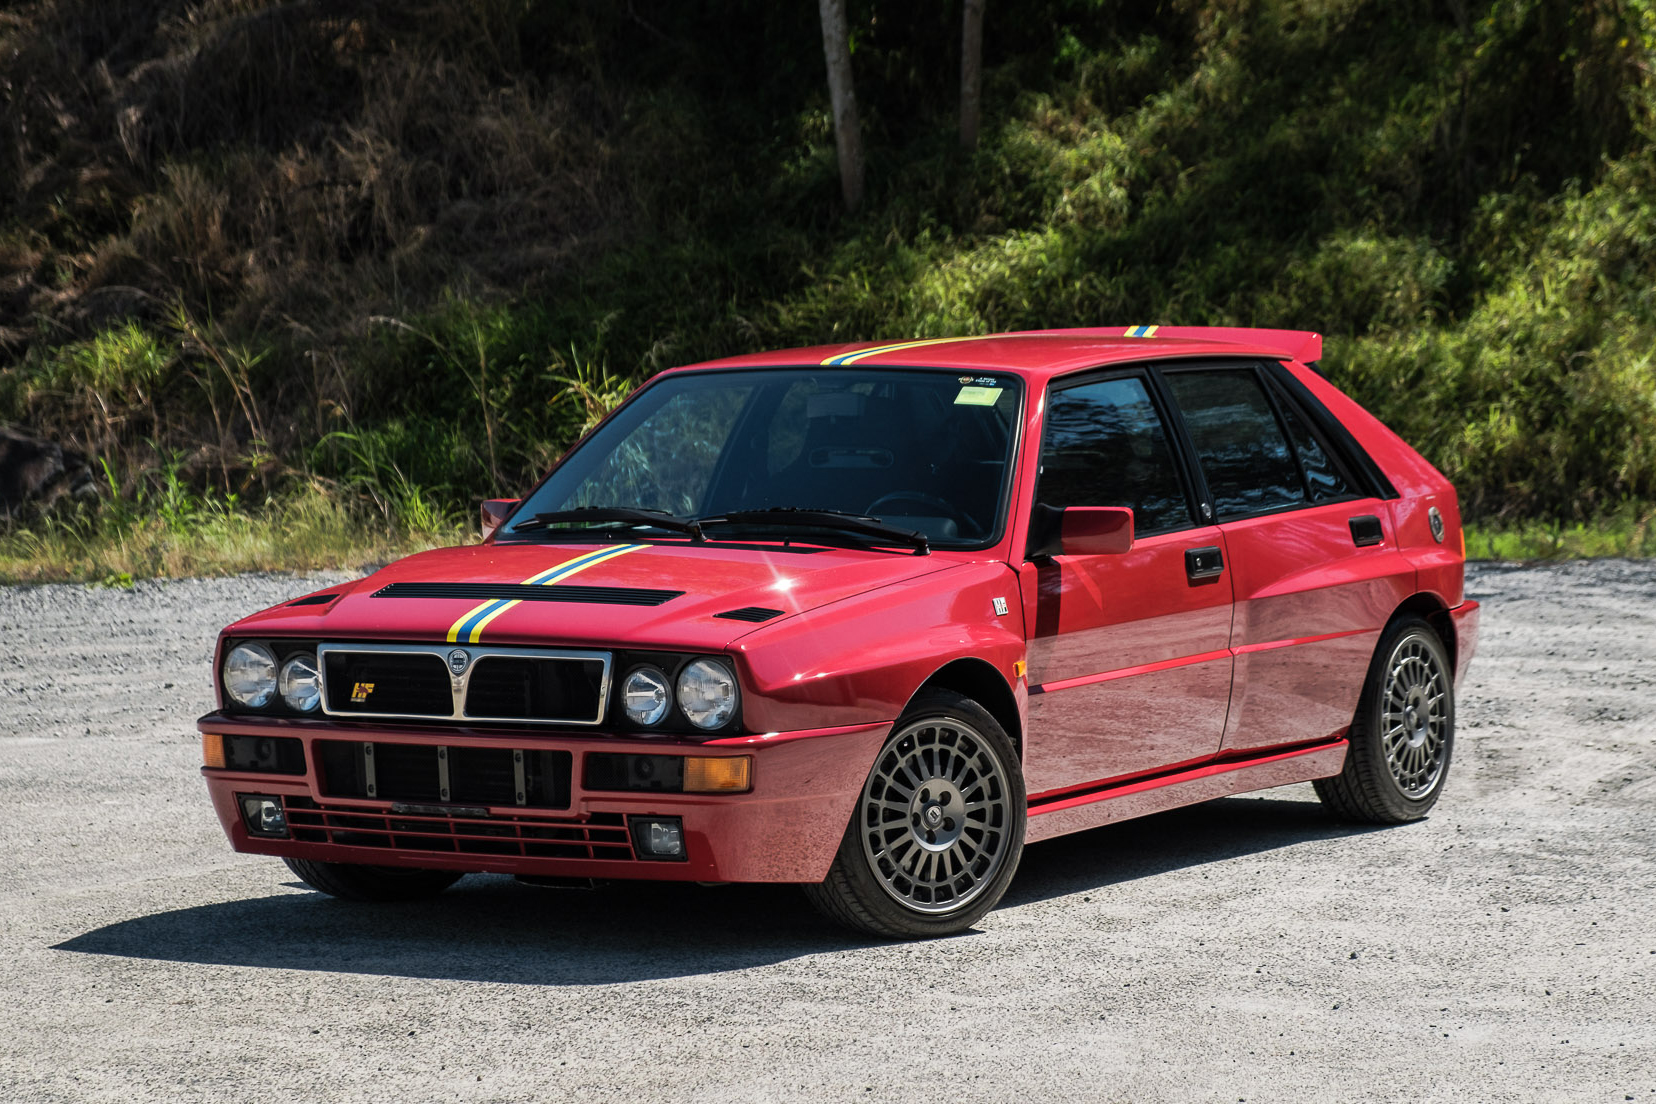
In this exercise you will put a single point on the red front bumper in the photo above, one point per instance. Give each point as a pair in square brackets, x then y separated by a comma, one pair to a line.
[785, 830]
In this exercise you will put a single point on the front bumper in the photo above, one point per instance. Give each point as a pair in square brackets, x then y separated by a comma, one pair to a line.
[786, 829]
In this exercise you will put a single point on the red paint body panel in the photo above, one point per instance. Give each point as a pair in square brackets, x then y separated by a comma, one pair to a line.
[1186, 787]
[1128, 661]
[1310, 607]
[1143, 690]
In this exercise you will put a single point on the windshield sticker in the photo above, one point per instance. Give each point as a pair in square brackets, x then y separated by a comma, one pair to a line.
[977, 396]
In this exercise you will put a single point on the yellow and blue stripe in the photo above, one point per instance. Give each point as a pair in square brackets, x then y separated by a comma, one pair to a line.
[1140, 331]
[469, 629]
[861, 354]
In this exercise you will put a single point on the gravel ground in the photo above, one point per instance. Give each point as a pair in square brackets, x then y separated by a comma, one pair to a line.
[1249, 949]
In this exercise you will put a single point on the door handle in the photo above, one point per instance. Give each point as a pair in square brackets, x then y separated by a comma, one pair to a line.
[1204, 563]
[1366, 530]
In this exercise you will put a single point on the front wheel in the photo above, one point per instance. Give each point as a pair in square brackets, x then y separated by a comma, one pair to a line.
[356, 882]
[1403, 734]
[938, 829]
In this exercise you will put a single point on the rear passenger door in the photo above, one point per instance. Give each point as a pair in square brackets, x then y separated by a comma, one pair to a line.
[1129, 662]
[1310, 548]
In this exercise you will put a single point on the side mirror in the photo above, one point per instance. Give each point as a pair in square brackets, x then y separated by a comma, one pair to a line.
[495, 512]
[1096, 531]
[1079, 531]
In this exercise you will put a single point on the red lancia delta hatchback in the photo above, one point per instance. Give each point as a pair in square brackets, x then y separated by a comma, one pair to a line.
[870, 618]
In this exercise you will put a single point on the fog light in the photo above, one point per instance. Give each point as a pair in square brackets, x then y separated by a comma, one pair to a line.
[726, 774]
[660, 838]
[264, 816]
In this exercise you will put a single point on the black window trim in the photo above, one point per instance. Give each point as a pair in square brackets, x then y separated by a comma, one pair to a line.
[1368, 476]
[1263, 376]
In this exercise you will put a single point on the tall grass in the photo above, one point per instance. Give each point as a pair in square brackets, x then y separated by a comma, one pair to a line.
[375, 265]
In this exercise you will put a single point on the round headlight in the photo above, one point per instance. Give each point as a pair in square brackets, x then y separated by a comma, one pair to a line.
[644, 696]
[301, 686]
[707, 693]
[250, 675]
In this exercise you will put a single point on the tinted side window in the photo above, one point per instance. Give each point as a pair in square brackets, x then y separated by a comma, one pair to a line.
[1246, 459]
[1105, 445]
[1322, 475]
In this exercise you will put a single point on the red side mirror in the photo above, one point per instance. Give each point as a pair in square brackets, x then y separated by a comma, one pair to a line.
[496, 511]
[1097, 530]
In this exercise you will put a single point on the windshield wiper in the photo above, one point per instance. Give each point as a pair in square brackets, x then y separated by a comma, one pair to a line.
[592, 517]
[802, 518]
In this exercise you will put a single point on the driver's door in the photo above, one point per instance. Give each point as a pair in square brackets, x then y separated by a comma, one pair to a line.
[1129, 660]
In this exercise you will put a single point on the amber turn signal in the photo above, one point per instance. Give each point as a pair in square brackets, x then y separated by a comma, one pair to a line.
[212, 750]
[726, 774]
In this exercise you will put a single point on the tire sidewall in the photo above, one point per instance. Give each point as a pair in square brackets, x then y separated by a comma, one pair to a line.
[1369, 741]
[853, 862]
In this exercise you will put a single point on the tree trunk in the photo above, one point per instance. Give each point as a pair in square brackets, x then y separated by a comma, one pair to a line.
[836, 48]
[971, 73]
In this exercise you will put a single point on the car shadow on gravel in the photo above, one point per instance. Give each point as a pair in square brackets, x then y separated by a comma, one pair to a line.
[1228, 828]
[489, 928]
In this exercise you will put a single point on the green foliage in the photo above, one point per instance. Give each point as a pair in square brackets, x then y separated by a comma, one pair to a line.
[414, 282]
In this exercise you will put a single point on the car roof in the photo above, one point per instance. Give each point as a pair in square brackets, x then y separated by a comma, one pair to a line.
[1044, 353]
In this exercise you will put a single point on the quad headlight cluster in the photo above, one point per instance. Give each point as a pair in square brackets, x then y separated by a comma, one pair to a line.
[254, 680]
[704, 693]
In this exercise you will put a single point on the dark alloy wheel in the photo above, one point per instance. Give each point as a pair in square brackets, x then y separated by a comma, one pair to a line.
[355, 882]
[1404, 731]
[938, 829]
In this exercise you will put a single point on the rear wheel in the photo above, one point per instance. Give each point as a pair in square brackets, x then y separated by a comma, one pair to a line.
[938, 830]
[1403, 734]
[355, 882]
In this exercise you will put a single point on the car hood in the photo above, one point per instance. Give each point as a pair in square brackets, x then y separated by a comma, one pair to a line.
[665, 596]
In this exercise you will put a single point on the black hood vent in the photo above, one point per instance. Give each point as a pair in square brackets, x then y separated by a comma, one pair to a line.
[529, 592]
[315, 599]
[749, 613]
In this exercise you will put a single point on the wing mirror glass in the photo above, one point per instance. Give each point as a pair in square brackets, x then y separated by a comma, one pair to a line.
[1096, 531]
[495, 512]
[1080, 531]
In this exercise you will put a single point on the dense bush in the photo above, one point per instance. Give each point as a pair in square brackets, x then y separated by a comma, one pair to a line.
[400, 253]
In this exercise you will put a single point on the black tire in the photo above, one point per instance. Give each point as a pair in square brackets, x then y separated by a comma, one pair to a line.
[906, 868]
[1403, 736]
[355, 882]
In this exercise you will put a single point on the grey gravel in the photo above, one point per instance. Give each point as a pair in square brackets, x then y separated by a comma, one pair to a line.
[1250, 949]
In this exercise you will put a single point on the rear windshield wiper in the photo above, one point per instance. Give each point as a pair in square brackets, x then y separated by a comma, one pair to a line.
[796, 517]
[591, 517]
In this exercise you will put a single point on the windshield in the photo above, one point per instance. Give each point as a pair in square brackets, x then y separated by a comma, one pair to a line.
[918, 450]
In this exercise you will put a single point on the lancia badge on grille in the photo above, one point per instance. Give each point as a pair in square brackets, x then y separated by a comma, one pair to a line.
[457, 661]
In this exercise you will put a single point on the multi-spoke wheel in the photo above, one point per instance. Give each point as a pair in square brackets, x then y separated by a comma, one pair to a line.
[1404, 731]
[938, 830]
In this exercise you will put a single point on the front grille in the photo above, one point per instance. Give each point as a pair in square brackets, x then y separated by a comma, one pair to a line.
[522, 687]
[526, 777]
[465, 683]
[408, 684]
[600, 836]
[531, 592]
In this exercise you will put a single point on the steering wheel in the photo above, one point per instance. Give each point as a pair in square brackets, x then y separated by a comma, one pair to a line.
[937, 506]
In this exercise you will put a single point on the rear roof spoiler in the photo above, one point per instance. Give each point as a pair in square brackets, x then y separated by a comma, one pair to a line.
[1301, 345]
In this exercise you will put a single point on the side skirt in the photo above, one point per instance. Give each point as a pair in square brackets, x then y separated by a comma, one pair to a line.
[1107, 802]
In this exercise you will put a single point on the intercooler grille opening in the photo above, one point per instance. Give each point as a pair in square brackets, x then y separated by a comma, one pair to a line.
[602, 836]
[531, 778]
